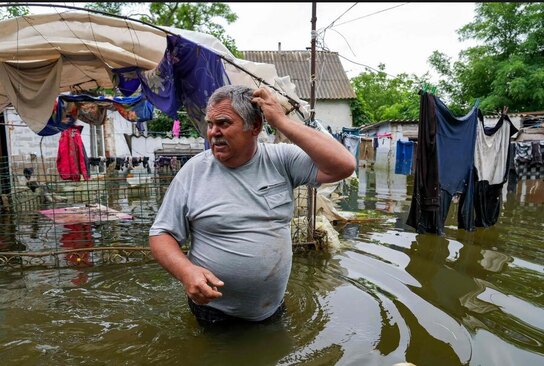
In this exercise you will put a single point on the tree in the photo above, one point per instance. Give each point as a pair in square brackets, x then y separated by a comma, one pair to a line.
[107, 7]
[163, 123]
[13, 11]
[200, 17]
[507, 67]
[380, 97]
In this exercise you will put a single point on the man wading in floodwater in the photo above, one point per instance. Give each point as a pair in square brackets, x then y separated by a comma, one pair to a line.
[235, 203]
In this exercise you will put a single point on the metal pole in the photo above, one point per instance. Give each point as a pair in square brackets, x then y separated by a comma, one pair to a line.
[312, 64]
[311, 193]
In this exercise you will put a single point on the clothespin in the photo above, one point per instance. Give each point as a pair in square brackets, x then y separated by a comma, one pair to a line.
[504, 110]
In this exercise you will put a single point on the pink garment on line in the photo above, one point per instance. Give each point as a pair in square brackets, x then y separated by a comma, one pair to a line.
[175, 128]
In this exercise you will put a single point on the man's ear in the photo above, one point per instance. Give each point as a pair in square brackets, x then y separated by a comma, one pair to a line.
[257, 127]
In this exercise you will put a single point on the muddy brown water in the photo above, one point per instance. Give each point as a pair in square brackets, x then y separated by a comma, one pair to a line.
[388, 295]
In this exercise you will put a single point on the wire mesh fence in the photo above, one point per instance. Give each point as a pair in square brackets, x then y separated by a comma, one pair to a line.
[49, 221]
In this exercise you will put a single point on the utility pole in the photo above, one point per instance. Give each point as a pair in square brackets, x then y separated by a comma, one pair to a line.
[312, 64]
[311, 191]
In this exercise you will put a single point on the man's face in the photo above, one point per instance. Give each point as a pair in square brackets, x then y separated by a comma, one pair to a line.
[230, 144]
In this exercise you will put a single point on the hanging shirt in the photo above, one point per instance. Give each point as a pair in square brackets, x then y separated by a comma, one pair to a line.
[491, 153]
[491, 161]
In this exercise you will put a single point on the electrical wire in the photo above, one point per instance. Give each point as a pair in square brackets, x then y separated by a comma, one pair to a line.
[368, 15]
[331, 26]
[341, 15]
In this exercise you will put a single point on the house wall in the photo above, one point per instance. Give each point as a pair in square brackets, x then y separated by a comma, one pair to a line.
[386, 151]
[22, 141]
[336, 114]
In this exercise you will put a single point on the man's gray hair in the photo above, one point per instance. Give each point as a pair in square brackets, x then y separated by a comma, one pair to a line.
[240, 99]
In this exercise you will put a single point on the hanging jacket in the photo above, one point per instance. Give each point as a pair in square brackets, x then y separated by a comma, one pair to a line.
[72, 159]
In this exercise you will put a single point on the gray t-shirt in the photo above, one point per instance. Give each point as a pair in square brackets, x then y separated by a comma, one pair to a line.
[239, 220]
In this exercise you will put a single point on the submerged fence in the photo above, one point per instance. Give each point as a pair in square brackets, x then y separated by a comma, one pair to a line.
[47, 221]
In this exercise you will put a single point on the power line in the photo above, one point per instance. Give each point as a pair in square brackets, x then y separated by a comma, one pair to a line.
[368, 15]
[331, 26]
[334, 21]
[369, 67]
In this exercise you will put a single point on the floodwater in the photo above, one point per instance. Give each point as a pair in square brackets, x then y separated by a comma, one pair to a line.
[388, 295]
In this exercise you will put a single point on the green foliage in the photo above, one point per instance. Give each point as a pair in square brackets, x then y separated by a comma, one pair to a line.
[200, 17]
[380, 97]
[506, 69]
[106, 7]
[163, 123]
[13, 11]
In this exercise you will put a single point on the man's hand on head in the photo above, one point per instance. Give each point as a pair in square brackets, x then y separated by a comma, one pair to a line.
[270, 106]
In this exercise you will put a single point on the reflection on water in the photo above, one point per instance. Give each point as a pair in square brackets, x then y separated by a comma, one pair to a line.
[388, 296]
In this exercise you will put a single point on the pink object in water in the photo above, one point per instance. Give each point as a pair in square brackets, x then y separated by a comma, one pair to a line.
[88, 213]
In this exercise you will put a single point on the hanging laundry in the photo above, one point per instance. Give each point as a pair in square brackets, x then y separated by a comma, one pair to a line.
[63, 116]
[403, 161]
[385, 135]
[537, 153]
[175, 128]
[186, 76]
[528, 159]
[351, 142]
[133, 109]
[72, 162]
[126, 80]
[92, 110]
[92, 113]
[450, 141]
[491, 161]
[424, 210]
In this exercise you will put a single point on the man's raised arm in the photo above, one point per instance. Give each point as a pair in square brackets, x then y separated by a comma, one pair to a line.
[333, 160]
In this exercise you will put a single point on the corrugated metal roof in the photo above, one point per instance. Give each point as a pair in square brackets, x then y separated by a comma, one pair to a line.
[331, 79]
[517, 114]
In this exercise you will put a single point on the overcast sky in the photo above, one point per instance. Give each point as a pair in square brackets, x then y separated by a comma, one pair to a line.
[400, 35]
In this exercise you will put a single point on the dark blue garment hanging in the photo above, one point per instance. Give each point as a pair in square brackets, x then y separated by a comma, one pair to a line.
[455, 140]
[126, 79]
[186, 76]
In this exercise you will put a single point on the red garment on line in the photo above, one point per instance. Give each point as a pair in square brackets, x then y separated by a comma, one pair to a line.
[71, 156]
